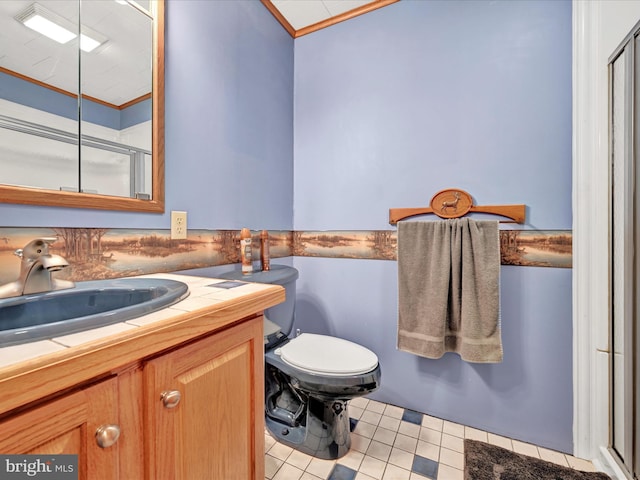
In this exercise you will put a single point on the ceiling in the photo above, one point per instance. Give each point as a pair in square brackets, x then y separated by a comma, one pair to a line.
[116, 72]
[300, 17]
[303, 13]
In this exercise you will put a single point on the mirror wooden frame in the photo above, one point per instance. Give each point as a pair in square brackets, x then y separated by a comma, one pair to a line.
[38, 196]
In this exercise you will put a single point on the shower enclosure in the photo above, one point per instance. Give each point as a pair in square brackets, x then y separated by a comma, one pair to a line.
[624, 85]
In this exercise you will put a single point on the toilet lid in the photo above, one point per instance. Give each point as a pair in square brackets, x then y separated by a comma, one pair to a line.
[325, 355]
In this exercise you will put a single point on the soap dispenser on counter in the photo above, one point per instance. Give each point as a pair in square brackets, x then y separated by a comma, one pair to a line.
[245, 252]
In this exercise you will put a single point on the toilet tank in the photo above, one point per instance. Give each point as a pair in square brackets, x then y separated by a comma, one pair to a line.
[282, 314]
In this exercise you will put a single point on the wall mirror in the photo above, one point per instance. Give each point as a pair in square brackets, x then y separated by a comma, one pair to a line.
[82, 103]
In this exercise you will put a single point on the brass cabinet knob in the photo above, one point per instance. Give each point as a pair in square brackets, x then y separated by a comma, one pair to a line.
[170, 398]
[107, 435]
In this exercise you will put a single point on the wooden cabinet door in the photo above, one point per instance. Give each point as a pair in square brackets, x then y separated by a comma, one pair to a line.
[68, 426]
[216, 430]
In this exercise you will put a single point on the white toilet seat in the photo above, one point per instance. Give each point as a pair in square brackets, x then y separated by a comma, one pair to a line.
[329, 356]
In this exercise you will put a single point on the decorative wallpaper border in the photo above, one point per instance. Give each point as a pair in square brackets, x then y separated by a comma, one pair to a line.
[98, 253]
[535, 248]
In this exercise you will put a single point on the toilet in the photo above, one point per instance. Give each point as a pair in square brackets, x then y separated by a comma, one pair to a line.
[309, 379]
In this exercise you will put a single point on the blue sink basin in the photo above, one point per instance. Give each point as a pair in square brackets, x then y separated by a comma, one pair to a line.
[89, 305]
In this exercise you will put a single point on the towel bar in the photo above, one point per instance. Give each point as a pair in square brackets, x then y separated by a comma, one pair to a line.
[455, 203]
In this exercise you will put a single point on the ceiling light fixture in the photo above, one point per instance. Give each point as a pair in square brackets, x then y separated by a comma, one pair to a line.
[87, 43]
[47, 23]
[90, 39]
[58, 28]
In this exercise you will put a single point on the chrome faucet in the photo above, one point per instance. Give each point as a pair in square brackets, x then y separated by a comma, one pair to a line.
[35, 270]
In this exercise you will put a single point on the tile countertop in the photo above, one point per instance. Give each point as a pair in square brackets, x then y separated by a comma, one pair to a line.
[71, 359]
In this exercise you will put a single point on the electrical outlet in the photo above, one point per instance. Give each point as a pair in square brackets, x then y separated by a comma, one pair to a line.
[178, 225]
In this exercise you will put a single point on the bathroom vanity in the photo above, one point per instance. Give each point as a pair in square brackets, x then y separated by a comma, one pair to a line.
[179, 394]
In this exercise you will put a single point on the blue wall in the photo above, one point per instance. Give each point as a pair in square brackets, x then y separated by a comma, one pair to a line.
[229, 119]
[32, 95]
[390, 107]
[419, 96]
[229, 125]
[136, 113]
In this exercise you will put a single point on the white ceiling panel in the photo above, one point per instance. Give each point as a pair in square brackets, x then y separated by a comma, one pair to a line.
[303, 13]
[338, 7]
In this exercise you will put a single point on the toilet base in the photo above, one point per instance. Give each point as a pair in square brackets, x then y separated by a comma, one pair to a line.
[309, 412]
[324, 432]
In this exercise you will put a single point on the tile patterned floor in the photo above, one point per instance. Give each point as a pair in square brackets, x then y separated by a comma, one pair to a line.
[392, 443]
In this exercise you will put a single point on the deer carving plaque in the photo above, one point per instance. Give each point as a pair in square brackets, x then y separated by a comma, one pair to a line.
[451, 203]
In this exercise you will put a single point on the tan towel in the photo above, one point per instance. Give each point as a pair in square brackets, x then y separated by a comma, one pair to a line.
[449, 289]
